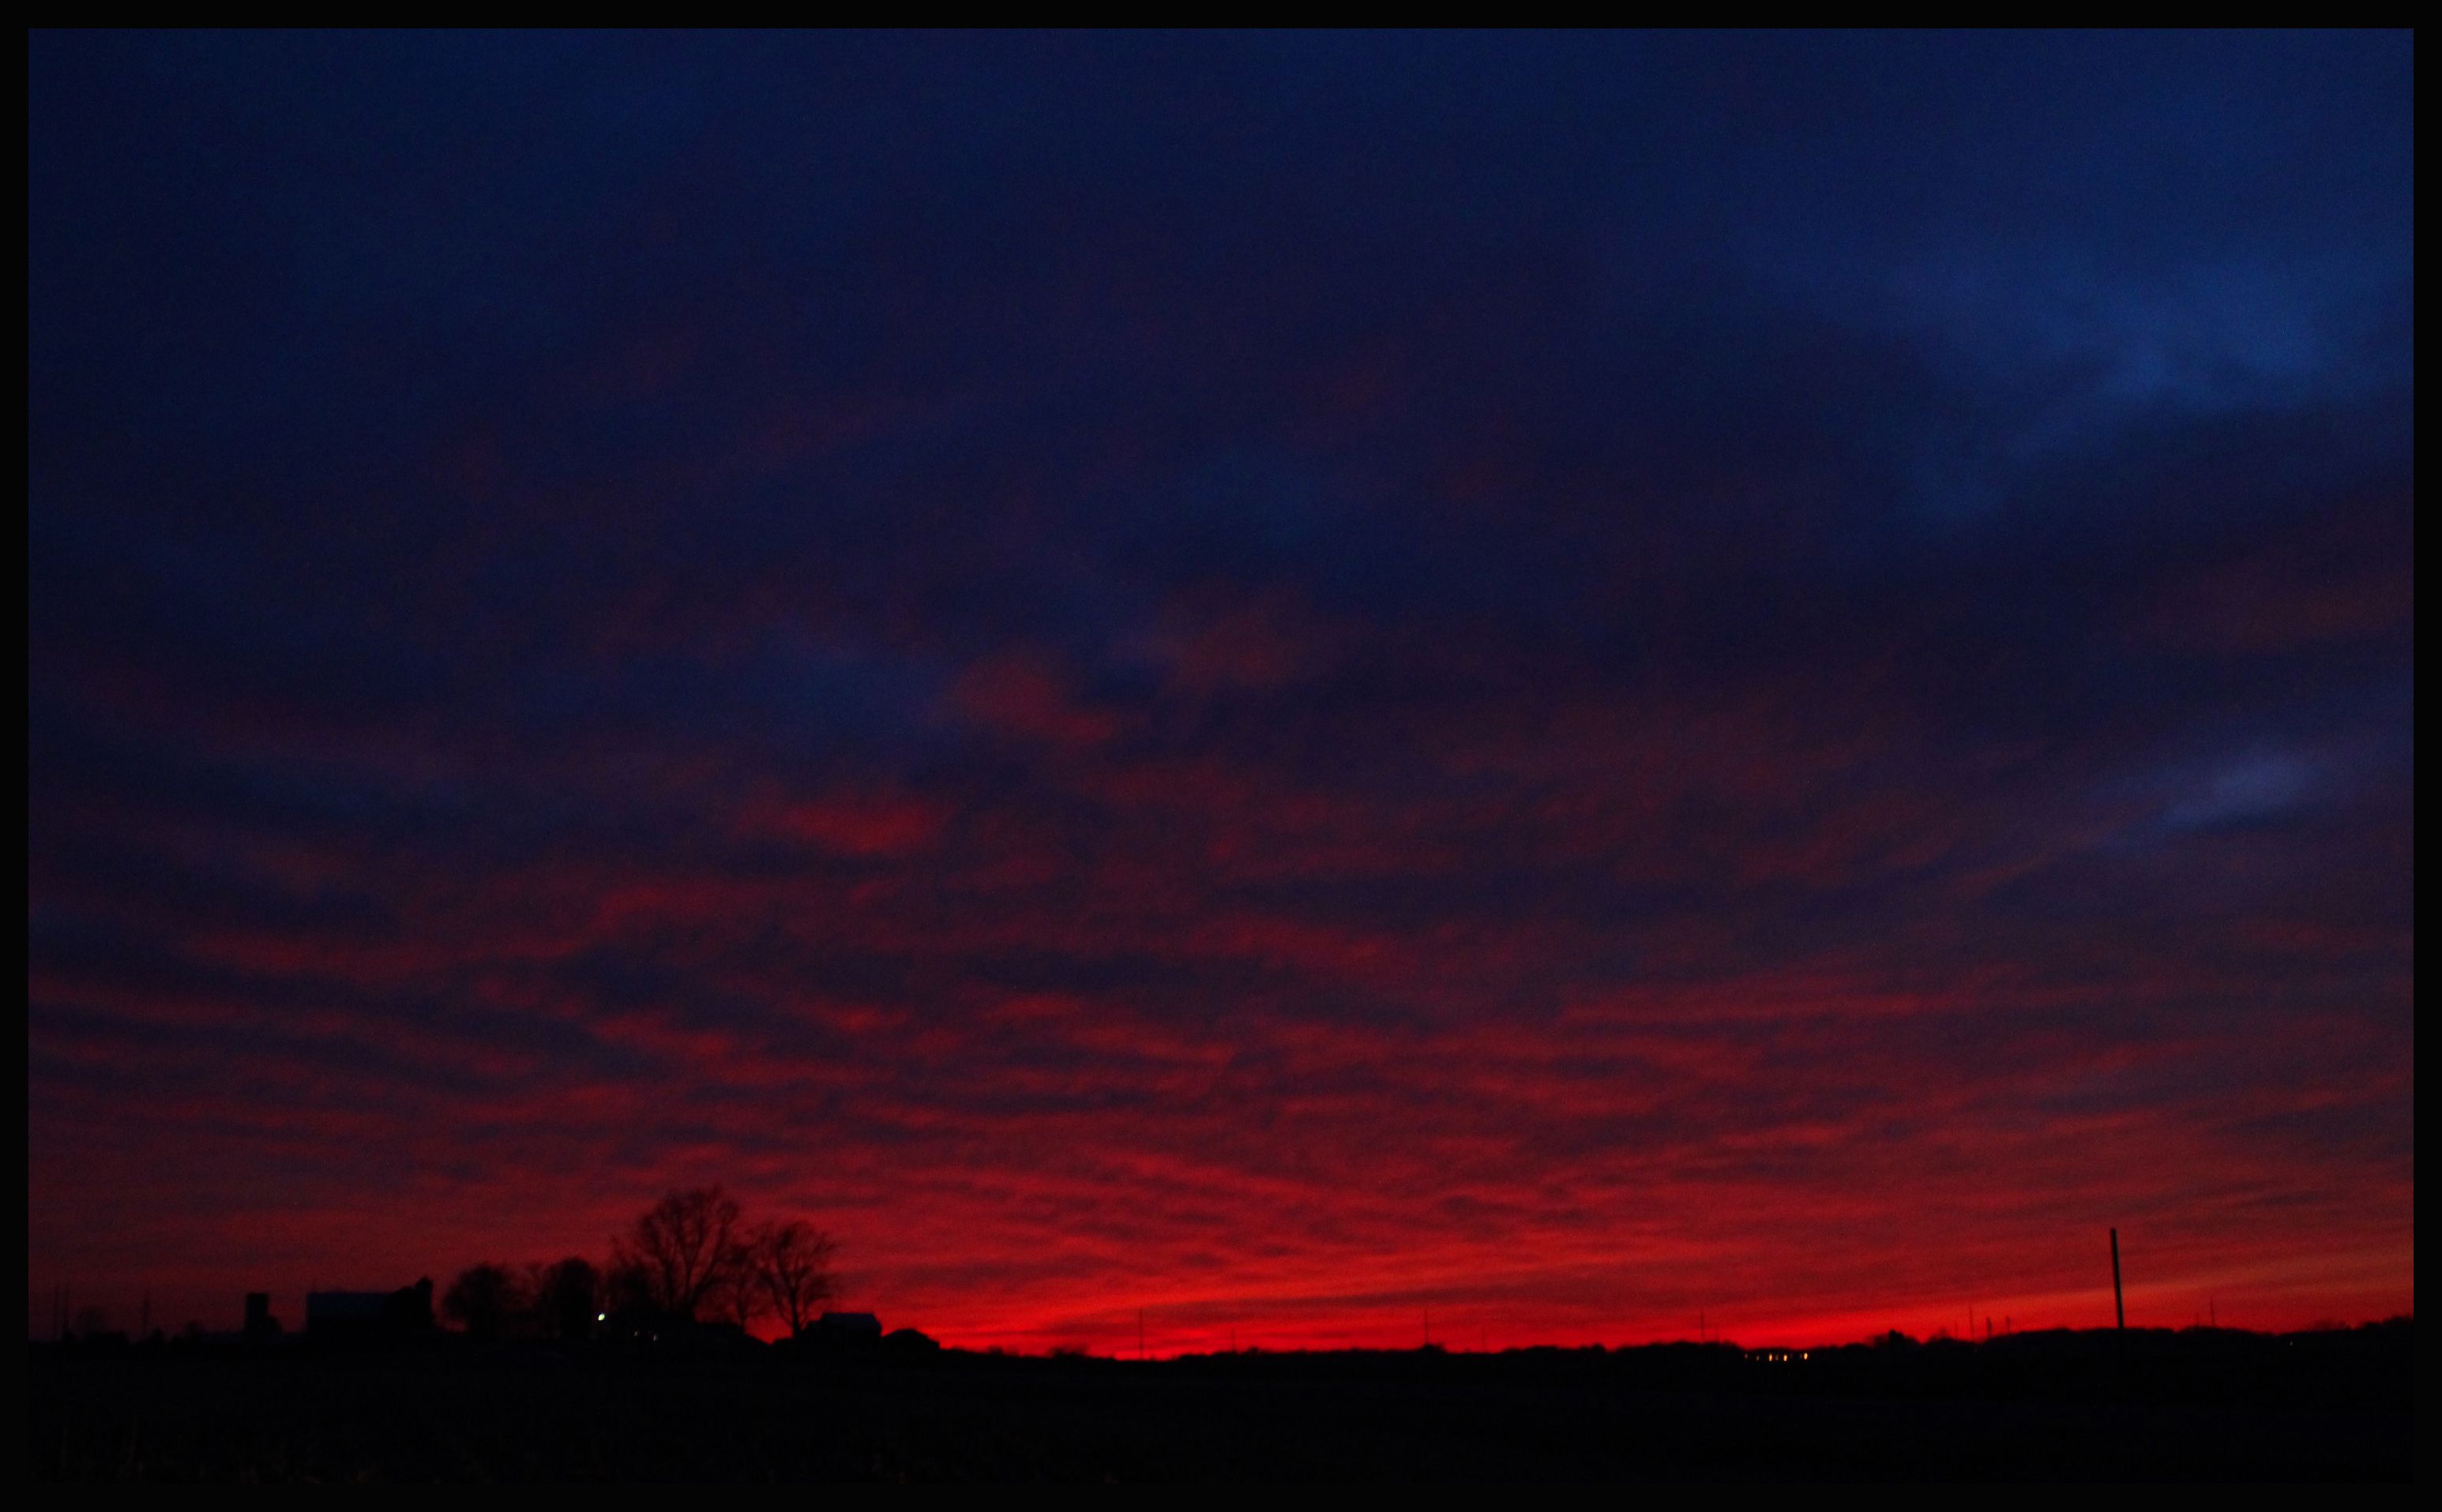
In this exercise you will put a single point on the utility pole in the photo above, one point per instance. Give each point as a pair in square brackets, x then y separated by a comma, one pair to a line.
[2119, 1309]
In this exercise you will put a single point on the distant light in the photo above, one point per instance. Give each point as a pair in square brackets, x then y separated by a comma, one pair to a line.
[601, 1317]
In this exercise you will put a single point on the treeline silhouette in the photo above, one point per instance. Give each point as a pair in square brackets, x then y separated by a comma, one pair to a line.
[692, 1269]
[691, 1260]
[2369, 1366]
[641, 1365]
[689, 1266]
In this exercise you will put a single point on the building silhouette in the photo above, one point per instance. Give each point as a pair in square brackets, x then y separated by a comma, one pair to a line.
[363, 1317]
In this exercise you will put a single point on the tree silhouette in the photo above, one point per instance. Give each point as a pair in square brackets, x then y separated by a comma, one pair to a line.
[686, 1254]
[563, 1297]
[485, 1300]
[626, 1288]
[791, 1265]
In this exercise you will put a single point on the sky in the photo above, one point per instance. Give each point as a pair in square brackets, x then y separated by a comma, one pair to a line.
[1599, 685]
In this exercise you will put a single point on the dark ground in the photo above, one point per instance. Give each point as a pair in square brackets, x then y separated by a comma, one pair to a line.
[2187, 1406]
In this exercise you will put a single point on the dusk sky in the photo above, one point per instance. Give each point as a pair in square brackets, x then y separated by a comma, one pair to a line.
[1283, 680]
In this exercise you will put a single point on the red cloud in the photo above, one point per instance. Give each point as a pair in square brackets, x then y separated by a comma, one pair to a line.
[1024, 694]
[853, 822]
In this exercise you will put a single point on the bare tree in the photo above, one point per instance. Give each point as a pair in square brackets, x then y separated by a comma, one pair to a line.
[688, 1251]
[791, 1265]
[739, 1299]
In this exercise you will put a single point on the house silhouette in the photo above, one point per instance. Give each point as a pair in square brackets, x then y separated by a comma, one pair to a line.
[849, 1328]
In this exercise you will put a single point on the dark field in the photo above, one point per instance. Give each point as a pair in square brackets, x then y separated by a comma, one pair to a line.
[2230, 1406]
